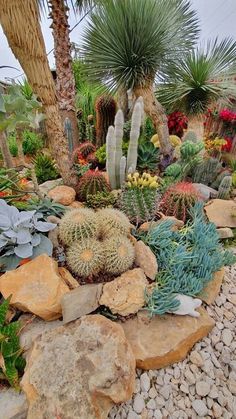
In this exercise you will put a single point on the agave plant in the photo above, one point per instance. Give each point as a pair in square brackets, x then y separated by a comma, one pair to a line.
[21, 235]
[148, 156]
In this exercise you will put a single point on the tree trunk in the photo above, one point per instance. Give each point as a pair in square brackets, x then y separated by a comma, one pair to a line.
[7, 159]
[65, 82]
[196, 124]
[157, 114]
[20, 23]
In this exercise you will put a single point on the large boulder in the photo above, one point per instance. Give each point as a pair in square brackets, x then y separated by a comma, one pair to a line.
[79, 370]
[221, 212]
[205, 192]
[35, 287]
[126, 294]
[64, 195]
[145, 259]
[48, 185]
[163, 340]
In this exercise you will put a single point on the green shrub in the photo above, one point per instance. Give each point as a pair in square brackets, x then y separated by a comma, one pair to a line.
[32, 143]
[45, 168]
[12, 145]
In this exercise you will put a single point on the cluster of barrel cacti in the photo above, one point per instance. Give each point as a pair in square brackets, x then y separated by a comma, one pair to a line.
[118, 166]
[97, 242]
[90, 183]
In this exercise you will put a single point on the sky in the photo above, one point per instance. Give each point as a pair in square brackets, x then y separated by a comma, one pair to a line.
[217, 19]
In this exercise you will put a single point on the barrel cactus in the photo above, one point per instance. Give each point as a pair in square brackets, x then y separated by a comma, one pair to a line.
[119, 255]
[112, 221]
[78, 224]
[90, 183]
[85, 258]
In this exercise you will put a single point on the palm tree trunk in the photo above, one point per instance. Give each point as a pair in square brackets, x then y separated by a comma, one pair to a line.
[196, 124]
[20, 23]
[65, 82]
[7, 159]
[157, 114]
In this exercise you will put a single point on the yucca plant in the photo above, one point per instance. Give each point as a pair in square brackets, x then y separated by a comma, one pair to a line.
[199, 78]
[126, 44]
[12, 363]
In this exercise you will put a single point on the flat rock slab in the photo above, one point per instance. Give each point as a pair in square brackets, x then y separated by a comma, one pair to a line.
[12, 404]
[221, 212]
[79, 370]
[164, 340]
[82, 300]
[212, 290]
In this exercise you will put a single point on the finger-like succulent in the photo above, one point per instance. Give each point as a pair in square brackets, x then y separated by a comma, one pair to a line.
[119, 255]
[85, 258]
[112, 221]
[21, 235]
[78, 224]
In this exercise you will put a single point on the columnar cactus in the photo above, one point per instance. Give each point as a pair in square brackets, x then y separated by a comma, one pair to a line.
[207, 171]
[105, 113]
[224, 188]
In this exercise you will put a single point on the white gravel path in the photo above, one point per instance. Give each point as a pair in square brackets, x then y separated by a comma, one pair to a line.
[204, 384]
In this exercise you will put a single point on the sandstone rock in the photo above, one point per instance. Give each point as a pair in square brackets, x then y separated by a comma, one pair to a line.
[79, 370]
[145, 259]
[125, 295]
[35, 287]
[164, 340]
[82, 300]
[68, 279]
[64, 195]
[221, 212]
[48, 185]
[225, 233]
[76, 204]
[212, 290]
[206, 192]
[12, 404]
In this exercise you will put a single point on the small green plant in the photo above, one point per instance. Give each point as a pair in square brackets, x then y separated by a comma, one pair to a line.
[13, 145]
[32, 143]
[46, 207]
[148, 156]
[45, 168]
[178, 200]
[12, 363]
[90, 183]
[101, 200]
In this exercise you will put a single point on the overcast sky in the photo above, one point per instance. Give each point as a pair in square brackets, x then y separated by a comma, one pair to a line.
[217, 18]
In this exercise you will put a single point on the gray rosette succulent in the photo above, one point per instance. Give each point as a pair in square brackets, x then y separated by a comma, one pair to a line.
[21, 236]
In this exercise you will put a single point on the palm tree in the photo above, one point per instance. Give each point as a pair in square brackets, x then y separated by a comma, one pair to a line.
[198, 79]
[126, 44]
[20, 23]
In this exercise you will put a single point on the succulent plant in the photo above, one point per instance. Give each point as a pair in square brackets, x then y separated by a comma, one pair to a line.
[105, 114]
[46, 207]
[148, 156]
[101, 200]
[189, 158]
[112, 221]
[45, 168]
[189, 149]
[216, 183]
[85, 258]
[21, 235]
[90, 183]
[224, 188]
[84, 149]
[139, 204]
[206, 172]
[191, 136]
[119, 255]
[141, 181]
[178, 200]
[78, 224]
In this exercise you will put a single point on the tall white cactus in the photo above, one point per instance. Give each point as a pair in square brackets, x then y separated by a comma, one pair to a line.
[122, 170]
[132, 156]
[119, 126]
[111, 156]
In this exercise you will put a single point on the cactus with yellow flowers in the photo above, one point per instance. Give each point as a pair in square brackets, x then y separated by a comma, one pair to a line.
[139, 197]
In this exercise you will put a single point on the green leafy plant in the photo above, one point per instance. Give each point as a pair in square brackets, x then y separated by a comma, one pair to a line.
[32, 143]
[187, 259]
[148, 156]
[90, 183]
[12, 144]
[12, 363]
[45, 168]
[101, 200]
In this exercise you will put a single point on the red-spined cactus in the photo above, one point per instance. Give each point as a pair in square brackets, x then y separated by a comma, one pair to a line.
[83, 151]
[178, 199]
[90, 183]
[105, 115]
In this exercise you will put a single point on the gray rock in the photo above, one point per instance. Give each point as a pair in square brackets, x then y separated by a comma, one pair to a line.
[50, 184]
[139, 403]
[200, 408]
[80, 301]
[203, 388]
[227, 336]
[145, 382]
[12, 404]
[225, 233]
[205, 191]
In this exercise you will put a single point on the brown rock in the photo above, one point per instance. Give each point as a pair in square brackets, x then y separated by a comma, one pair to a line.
[76, 204]
[35, 287]
[145, 259]
[64, 195]
[163, 340]
[79, 370]
[212, 290]
[68, 279]
[125, 295]
[221, 212]
[82, 300]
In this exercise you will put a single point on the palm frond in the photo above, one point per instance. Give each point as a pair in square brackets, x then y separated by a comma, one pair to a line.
[201, 77]
[127, 42]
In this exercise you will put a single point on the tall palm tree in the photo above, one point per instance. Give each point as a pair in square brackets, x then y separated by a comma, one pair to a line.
[126, 44]
[20, 23]
[198, 79]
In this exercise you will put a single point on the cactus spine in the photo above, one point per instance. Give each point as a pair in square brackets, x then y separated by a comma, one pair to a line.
[224, 188]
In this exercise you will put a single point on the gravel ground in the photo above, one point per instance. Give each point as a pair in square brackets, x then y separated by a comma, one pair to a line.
[204, 384]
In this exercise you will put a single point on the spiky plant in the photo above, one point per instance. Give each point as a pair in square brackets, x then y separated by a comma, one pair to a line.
[191, 136]
[119, 255]
[148, 156]
[224, 188]
[139, 204]
[12, 363]
[90, 183]
[179, 199]
[101, 200]
[78, 224]
[105, 114]
[83, 150]
[85, 258]
[124, 56]
[112, 221]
